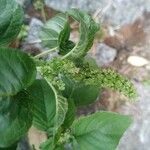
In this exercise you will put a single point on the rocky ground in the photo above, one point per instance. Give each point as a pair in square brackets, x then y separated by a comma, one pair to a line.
[124, 45]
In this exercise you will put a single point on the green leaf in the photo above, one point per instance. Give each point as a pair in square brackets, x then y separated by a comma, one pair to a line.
[71, 114]
[16, 121]
[85, 94]
[17, 71]
[90, 62]
[56, 33]
[65, 45]
[10, 21]
[5, 104]
[100, 131]
[81, 93]
[49, 34]
[87, 30]
[49, 107]
[44, 104]
[12, 147]
[61, 110]
[48, 145]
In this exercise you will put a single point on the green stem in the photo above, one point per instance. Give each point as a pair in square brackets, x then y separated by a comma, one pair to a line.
[45, 53]
[43, 14]
[68, 54]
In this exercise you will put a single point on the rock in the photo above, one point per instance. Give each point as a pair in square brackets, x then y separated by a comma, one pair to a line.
[21, 2]
[33, 34]
[115, 12]
[137, 61]
[24, 3]
[137, 137]
[87, 5]
[24, 144]
[36, 137]
[104, 54]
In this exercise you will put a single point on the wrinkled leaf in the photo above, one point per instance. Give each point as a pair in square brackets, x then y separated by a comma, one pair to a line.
[17, 71]
[56, 33]
[11, 17]
[100, 131]
[49, 107]
[87, 30]
[44, 105]
[50, 32]
[15, 122]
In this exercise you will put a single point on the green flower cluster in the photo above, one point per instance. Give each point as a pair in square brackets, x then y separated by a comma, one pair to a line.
[105, 78]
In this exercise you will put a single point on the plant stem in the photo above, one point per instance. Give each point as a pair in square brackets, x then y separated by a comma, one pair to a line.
[45, 53]
[43, 13]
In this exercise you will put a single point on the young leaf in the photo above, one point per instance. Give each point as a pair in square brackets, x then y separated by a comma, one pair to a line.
[17, 71]
[10, 21]
[16, 121]
[87, 29]
[49, 107]
[65, 45]
[49, 34]
[100, 131]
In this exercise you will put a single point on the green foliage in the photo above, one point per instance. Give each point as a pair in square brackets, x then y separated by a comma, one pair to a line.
[64, 83]
[49, 34]
[17, 71]
[100, 131]
[87, 30]
[56, 33]
[44, 105]
[23, 32]
[11, 17]
[49, 107]
[16, 120]
[70, 115]
[38, 4]
[67, 75]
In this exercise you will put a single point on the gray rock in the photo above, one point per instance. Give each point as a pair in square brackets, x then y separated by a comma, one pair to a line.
[87, 5]
[137, 137]
[24, 144]
[24, 3]
[104, 54]
[21, 2]
[33, 34]
[118, 12]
